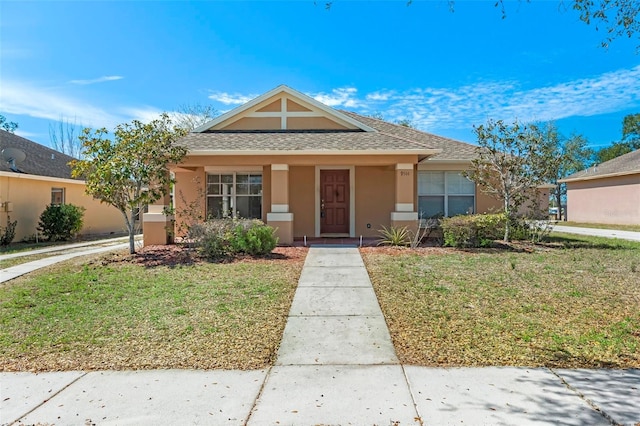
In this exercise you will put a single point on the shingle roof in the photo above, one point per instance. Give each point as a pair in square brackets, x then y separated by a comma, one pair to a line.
[451, 149]
[40, 160]
[387, 137]
[627, 163]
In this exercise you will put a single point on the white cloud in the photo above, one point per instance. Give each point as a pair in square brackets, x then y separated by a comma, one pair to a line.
[341, 97]
[434, 108]
[144, 114]
[231, 98]
[41, 102]
[97, 80]
[20, 98]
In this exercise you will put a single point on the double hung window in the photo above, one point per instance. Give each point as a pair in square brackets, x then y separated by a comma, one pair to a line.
[234, 195]
[444, 193]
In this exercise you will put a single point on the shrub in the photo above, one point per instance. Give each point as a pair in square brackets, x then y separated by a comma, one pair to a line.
[479, 230]
[219, 238]
[394, 236]
[9, 233]
[61, 222]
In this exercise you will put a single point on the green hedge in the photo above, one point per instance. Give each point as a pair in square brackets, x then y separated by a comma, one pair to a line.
[477, 230]
[61, 222]
[219, 238]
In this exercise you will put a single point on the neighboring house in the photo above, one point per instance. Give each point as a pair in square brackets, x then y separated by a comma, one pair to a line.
[606, 193]
[43, 178]
[310, 170]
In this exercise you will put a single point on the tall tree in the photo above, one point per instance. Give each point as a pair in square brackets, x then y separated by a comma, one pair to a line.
[9, 126]
[630, 140]
[506, 165]
[130, 171]
[560, 157]
[191, 116]
[612, 151]
[64, 136]
[631, 130]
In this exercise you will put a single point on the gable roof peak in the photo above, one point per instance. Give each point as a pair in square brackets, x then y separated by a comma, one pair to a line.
[295, 96]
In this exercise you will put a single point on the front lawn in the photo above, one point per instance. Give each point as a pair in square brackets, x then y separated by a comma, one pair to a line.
[116, 311]
[572, 303]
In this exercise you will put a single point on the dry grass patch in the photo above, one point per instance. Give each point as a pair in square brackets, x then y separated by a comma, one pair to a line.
[572, 303]
[161, 308]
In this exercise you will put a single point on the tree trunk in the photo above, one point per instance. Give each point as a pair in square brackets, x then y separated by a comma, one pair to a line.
[132, 232]
[559, 201]
[507, 213]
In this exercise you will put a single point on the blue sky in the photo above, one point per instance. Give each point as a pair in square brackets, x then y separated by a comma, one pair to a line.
[104, 63]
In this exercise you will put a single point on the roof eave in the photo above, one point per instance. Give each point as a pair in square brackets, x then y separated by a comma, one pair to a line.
[419, 152]
[602, 176]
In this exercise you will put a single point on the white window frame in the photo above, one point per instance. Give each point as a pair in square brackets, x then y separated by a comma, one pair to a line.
[446, 193]
[233, 195]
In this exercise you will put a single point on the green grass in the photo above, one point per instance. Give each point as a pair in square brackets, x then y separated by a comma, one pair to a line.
[635, 228]
[572, 303]
[115, 314]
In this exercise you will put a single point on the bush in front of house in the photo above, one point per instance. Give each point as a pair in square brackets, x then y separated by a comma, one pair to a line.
[61, 222]
[219, 238]
[477, 230]
[8, 233]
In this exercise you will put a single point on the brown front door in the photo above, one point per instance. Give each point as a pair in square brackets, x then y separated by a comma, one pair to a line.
[334, 201]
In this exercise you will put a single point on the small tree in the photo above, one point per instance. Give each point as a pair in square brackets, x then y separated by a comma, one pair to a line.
[61, 222]
[130, 171]
[561, 157]
[507, 163]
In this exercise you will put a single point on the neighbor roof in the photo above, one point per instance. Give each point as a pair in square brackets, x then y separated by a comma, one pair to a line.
[40, 160]
[623, 165]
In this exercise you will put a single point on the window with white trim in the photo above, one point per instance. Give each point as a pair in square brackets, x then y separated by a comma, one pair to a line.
[234, 195]
[445, 193]
[57, 196]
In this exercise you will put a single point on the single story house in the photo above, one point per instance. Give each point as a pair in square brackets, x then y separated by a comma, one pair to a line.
[606, 193]
[43, 177]
[311, 170]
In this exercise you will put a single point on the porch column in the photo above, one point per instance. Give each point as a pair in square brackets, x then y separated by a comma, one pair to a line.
[157, 227]
[405, 213]
[279, 216]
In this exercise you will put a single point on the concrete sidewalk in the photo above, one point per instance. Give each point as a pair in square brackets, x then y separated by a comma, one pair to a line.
[336, 365]
[67, 251]
[607, 233]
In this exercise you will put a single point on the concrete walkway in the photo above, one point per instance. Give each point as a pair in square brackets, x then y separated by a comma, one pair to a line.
[336, 365]
[607, 233]
[66, 251]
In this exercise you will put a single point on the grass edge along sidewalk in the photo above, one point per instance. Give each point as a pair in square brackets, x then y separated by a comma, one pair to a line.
[118, 311]
[574, 302]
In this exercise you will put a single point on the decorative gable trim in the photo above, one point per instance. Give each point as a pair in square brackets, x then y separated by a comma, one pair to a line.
[254, 109]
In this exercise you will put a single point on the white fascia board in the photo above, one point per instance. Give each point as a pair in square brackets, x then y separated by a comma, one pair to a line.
[294, 94]
[608, 175]
[313, 152]
[43, 178]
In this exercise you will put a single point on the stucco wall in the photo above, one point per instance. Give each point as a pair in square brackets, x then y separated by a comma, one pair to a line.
[29, 195]
[614, 200]
[189, 198]
[375, 198]
[302, 200]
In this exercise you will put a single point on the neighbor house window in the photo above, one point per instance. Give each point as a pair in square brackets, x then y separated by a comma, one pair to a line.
[57, 196]
[234, 195]
[444, 194]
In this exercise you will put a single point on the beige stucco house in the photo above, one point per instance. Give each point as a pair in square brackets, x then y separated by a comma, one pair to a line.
[606, 193]
[42, 178]
[310, 170]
